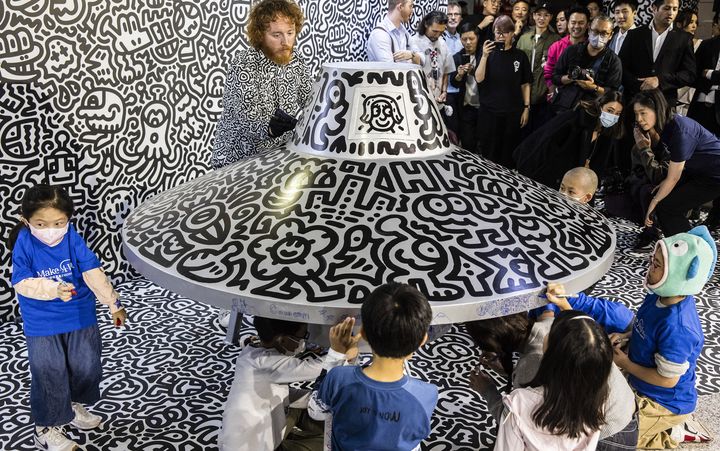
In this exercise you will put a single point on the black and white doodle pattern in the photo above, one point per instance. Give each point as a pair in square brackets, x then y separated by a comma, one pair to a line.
[118, 101]
[292, 227]
[168, 375]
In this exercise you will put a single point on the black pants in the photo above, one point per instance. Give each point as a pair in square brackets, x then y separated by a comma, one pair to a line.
[498, 136]
[453, 121]
[705, 115]
[468, 128]
[690, 192]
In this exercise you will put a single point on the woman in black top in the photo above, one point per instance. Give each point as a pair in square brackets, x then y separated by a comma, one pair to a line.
[503, 76]
[579, 137]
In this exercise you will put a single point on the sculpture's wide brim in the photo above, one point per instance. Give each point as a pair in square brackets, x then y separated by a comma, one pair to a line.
[298, 236]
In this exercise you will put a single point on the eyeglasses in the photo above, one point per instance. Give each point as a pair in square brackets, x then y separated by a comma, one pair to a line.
[297, 339]
[502, 33]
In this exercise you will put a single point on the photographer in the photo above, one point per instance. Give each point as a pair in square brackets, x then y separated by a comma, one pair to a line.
[586, 70]
[463, 79]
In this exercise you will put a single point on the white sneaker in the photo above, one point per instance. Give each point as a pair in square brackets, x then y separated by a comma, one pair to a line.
[53, 439]
[84, 419]
[224, 318]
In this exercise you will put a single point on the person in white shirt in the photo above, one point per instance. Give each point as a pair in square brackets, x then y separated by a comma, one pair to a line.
[390, 41]
[624, 15]
[438, 59]
[455, 45]
[255, 417]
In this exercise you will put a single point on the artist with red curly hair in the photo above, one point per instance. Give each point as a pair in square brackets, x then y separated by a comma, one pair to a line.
[267, 85]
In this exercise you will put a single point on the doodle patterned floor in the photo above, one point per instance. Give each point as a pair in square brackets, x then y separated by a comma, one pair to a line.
[167, 376]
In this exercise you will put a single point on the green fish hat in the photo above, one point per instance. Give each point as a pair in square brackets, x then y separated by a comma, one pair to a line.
[689, 263]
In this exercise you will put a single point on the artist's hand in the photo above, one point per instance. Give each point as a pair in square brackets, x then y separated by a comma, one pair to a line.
[65, 291]
[403, 55]
[552, 292]
[341, 337]
[649, 83]
[119, 318]
[479, 381]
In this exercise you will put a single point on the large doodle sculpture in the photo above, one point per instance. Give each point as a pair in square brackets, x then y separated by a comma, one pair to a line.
[370, 190]
[118, 101]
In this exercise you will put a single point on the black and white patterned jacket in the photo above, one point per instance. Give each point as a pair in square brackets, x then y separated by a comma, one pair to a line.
[254, 87]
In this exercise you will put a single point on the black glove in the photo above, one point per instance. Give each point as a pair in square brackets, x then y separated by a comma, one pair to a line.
[280, 122]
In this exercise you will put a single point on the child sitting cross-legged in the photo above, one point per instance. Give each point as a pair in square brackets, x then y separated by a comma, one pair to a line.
[665, 340]
[262, 412]
[379, 407]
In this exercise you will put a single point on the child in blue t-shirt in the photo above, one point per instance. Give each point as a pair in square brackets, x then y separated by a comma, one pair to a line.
[666, 339]
[379, 407]
[57, 279]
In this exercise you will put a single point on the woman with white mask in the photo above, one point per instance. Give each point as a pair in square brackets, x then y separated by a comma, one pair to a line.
[583, 136]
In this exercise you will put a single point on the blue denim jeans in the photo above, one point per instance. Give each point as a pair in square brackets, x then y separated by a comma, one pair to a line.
[65, 368]
[624, 440]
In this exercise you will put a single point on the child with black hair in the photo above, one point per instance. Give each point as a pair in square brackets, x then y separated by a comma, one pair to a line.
[666, 339]
[57, 279]
[262, 412]
[564, 405]
[500, 338]
[379, 406]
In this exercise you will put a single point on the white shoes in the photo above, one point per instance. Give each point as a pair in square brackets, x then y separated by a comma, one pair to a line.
[224, 318]
[53, 439]
[84, 419]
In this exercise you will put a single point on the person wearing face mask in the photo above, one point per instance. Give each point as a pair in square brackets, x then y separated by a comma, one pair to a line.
[57, 279]
[587, 69]
[579, 137]
[260, 390]
[579, 184]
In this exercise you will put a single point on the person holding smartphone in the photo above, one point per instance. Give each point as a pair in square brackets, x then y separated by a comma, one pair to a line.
[503, 76]
[463, 79]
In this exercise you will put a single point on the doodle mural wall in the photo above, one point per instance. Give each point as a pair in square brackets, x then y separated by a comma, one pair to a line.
[118, 100]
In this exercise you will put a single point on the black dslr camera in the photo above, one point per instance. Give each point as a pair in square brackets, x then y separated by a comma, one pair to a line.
[578, 73]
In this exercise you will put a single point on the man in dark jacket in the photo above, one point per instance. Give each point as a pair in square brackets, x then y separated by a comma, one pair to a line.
[464, 80]
[658, 55]
[587, 69]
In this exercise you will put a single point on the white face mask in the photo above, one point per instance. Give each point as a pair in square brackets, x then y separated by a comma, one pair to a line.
[50, 236]
[608, 119]
[576, 199]
[299, 349]
[597, 42]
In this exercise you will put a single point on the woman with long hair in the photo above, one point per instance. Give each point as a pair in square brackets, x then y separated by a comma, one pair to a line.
[580, 137]
[564, 405]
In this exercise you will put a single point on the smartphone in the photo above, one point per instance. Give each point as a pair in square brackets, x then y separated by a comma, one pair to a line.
[465, 58]
[499, 45]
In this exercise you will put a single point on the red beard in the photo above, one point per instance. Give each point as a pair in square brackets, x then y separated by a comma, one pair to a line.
[280, 58]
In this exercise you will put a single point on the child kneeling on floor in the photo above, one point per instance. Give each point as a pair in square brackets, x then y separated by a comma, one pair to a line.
[666, 339]
[379, 407]
[262, 412]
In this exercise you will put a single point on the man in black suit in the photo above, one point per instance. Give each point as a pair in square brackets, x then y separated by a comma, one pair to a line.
[657, 55]
[705, 106]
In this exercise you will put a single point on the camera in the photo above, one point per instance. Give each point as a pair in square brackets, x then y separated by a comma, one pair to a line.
[578, 73]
